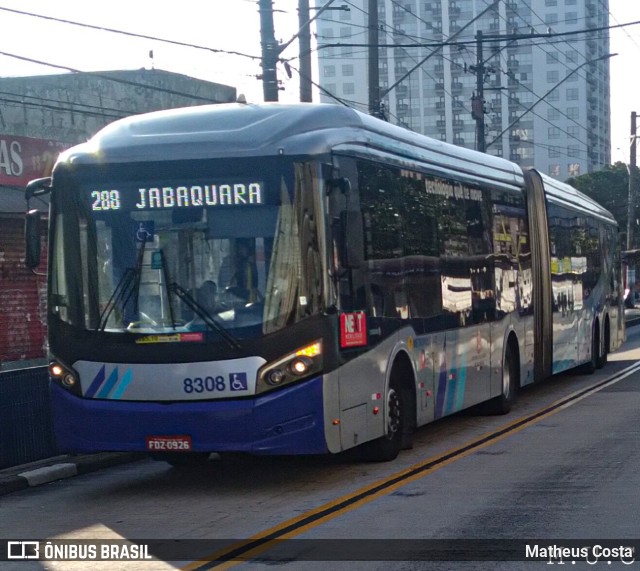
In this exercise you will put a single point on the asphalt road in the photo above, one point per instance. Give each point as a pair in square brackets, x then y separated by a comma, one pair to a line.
[572, 472]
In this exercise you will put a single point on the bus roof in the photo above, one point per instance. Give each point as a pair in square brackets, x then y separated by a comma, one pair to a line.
[566, 195]
[244, 130]
[300, 129]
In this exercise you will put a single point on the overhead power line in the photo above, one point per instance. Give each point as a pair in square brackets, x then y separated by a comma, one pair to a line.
[109, 78]
[131, 34]
[473, 41]
[607, 56]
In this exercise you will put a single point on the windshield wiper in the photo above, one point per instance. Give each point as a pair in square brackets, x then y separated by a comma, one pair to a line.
[122, 292]
[185, 296]
[122, 289]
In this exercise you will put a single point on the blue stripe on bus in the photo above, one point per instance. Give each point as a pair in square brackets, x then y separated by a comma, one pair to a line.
[451, 390]
[95, 384]
[111, 381]
[453, 383]
[124, 383]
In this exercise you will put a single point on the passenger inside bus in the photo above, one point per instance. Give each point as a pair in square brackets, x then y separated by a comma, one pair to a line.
[207, 296]
[239, 274]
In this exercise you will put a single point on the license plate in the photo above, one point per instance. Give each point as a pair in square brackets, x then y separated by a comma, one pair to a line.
[169, 443]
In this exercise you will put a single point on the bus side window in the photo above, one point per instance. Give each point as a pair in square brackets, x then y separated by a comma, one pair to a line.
[377, 300]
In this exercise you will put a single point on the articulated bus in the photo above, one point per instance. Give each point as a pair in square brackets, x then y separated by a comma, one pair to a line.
[304, 279]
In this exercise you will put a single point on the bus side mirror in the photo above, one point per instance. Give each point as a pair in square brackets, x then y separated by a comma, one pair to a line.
[32, 239]
[353, 239]
[37, 187]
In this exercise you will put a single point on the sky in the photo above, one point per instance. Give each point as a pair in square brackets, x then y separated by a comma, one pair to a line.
[32, 46]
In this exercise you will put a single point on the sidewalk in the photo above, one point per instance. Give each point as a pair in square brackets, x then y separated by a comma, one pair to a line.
[632, 316]
[68, 465]
[57, 468]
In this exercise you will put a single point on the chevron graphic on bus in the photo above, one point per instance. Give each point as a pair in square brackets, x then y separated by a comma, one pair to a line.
[101, 388]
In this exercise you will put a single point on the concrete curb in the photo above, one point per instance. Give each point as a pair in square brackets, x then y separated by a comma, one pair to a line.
[58, 468]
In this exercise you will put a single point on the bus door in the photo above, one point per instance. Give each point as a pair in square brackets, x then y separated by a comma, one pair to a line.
[463, 379]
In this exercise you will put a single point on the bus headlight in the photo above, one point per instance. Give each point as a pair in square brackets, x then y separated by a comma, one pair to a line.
[274, 377]
[56, 370]
[293, 367]
[65, 377]
[300, 365]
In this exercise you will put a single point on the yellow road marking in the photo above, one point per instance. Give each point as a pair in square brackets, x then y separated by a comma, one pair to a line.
[330, 510]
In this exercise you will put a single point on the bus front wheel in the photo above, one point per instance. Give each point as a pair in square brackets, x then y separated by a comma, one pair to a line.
[388, 446]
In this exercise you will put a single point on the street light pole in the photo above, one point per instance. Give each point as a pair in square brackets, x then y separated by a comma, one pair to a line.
[632, 194]
[374, 72]
[477, 101]
[631, 266]
[270, 51]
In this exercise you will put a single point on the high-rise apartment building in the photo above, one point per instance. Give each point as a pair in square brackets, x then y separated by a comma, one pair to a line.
[544, 82]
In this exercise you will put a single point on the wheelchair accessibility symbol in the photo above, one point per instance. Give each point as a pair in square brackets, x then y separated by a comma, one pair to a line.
[144, 231]
[238, 381]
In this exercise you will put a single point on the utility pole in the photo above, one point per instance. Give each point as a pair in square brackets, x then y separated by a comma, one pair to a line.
[437, 49]
[632, 179]
[374, 72]
[305, 51]
[270, 51]
[631, 266]
[477, 100]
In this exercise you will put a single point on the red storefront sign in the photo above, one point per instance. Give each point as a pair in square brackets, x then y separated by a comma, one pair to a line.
[23, 158]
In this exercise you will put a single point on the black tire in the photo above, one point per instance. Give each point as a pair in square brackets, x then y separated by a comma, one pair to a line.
[182, 459]
[590, 366]
[603, 357]
[510, 374]
[388, 446]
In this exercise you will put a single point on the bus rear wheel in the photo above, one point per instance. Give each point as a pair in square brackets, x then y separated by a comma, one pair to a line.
[602, 359]
[388, 446]
[510, 375]
[592, 364]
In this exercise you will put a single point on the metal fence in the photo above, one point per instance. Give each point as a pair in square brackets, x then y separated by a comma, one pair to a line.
[26, 431]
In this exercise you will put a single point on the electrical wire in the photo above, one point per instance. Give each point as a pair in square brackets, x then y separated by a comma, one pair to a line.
[130, 34]
[109, 78]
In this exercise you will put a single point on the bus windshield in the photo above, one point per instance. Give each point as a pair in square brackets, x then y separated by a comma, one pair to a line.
[217, 253]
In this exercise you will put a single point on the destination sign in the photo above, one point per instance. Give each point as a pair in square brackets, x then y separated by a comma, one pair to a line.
[178, 196]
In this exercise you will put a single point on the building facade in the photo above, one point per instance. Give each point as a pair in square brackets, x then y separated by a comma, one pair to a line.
[544, 85]
[39, 117]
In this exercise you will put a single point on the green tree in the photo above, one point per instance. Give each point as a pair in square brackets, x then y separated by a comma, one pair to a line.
[610, 187]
